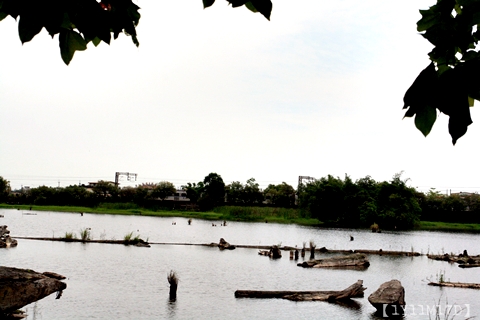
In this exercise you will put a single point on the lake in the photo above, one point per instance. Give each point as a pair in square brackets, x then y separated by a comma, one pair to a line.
[106, 281]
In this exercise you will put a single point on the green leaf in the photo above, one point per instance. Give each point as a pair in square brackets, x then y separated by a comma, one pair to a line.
[429, 19]
[3, 15]
[458, 124]
[133, 13]
[471, 101]
[458, 9]
[70, 41]
[28, 27]
[466, 2]
[208, 3]
[425, 118]
[419, 93]
[96, 41]
[262, 6]
[443, 68]
[250, 6]
[469, 55]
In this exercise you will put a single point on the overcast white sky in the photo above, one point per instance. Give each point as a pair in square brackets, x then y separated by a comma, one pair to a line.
[317, 90]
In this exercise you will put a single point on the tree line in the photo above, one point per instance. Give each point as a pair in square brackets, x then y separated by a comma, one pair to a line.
[335, 201]
[206, 194]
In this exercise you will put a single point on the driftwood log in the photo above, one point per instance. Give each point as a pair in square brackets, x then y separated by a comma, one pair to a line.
[354, 291]
[356, 260]
[455, 285]
[19, 287]
[464, 260]
[472, 265]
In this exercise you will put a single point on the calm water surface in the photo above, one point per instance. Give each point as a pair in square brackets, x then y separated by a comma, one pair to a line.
[121, 282]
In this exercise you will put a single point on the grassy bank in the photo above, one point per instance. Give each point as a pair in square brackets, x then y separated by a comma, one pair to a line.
[231, 213]
[449, 226]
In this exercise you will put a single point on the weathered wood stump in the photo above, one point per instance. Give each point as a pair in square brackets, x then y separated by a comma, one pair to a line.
[222, 244]
[356, 260]
[353, 291]
[5, 239]
[389, 299]
[173, 281]
[19, 287]
[273, 253]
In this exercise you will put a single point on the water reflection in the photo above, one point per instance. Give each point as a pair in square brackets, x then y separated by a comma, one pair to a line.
[350, 304]
[171, 308]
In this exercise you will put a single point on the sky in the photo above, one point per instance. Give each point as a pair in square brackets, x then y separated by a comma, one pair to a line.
[317, 90]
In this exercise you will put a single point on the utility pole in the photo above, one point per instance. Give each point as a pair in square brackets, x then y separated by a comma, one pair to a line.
[300, 185]
[300, 181]
[129, 176]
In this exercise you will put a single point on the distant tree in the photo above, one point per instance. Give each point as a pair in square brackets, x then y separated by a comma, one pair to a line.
[127, 194]
[350, 211]
[4, 189]
[235, 193]
[252, 193]
[73, 195]
[432, 205]
[194, 191]
[141, 195]
[105, 190]
[323, 198]
[163, 189]
[214, 191]
[390, 204]
[42, 195]
[366, 201]
[473, 203]
[397, 204]
[280, 195]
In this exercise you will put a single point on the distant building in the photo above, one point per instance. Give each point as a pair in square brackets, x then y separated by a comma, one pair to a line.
[463, 194]
[92, 185]
[180, 195]
[148, 185]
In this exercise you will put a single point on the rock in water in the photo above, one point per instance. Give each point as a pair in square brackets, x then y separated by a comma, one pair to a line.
[19, 287]
[389, 299]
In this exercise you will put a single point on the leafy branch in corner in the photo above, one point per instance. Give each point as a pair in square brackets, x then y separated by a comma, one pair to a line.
[78, 22]
[450, 83]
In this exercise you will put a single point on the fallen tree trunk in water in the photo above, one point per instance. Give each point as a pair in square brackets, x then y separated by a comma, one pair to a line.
[354, 291]
[19, 287]
[356, 260]
[455, 285]
[474, 265]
